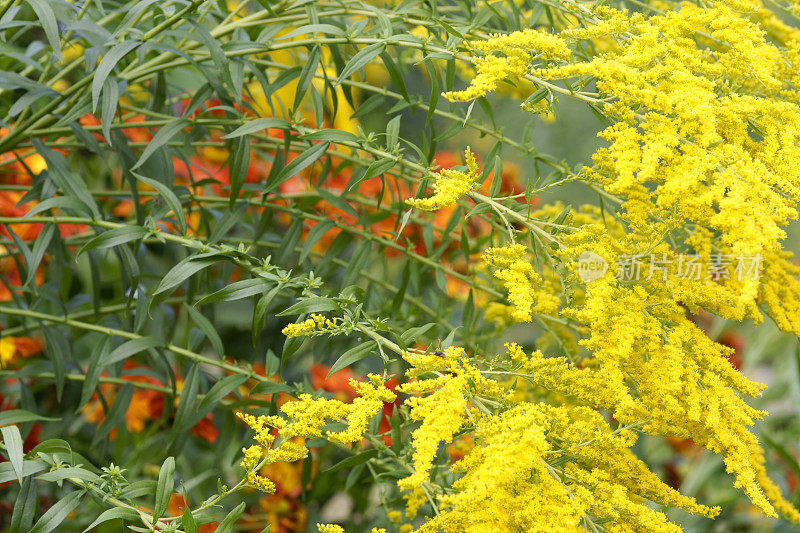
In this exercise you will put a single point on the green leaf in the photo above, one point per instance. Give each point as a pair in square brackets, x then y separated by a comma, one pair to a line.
[58, 512]
[49, 24]
[20, 416]
[351, 356]
[13, 441]
[226, 526]
[237, 291]
[257, 125]
[220, 389]
[188, 522]
[166, 482]
[313, 28]
[162, 137]
[318, 304]
[69, 182]
[416, 334]
[38, 251]
[306, 158]
[363, 57]
[315, 234]
[71, 472]
[57, 202]
[356, 263]
[332, 135]
[336, 201]
[125, 513]
[169, 197]
[184, 270]
[238, 163]
[357, 459]
[395, 75]
[116, 415]
[129, 348]
[93, 371]
[108, 109]
[208, 328]
[376, 168]
[306, 76]
[28, 469]
[57, 351]
[184, 413]
[270, 387]
[114, 237]
[105, 67]
[24, 507]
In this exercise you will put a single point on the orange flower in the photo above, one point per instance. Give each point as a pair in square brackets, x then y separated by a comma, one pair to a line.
[338, 384]
[12, 349]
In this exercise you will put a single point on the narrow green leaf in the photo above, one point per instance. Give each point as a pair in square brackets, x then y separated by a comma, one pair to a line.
[125, 513]
[314, 235]
[332, 135]
[220, 389]
[351, 356]
[318, 304]
[116, 415]
[169, 197]
[363, 57]
[299, 163]
[357, 459]
[130, 348]
[49, 24]
[238, 163]
[187, 521]
[71, 472]
[115, 237]
[13, 441]
[94, 370]
[258, 124]
[58, 512]
[237, 291]
[208, 328]
[107, 64]
[24, 507]
[184, 270]
[162, 137]
[226, 526]
[306, 76]
[186, 405]
[166, 482]
[270, 387]
[39, 248]
[20, 416]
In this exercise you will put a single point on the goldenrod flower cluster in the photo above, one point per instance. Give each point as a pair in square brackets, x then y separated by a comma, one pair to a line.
[521, 281]
[703, 153]
[517, 50]
[450, 185]
[305, 419]
[315, 325]
[702, 158]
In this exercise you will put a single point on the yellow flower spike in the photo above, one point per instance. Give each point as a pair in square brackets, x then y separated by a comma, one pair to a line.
[521, 281]
[518, 48]
[450, 185]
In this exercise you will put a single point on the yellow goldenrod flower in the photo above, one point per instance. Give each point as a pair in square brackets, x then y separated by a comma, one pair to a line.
[450, 185]
[521, 281]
